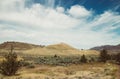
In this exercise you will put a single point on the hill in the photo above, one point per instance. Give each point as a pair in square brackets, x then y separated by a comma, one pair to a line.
[55, 49]
[18, 45]
[60, 46]
[60, 49]
[112, 49]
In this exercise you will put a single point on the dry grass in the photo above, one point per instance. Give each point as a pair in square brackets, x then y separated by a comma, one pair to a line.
[84, 71]
[70, 52]
[47, 51]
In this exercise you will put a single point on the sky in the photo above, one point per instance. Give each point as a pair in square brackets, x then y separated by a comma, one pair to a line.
[80, 23]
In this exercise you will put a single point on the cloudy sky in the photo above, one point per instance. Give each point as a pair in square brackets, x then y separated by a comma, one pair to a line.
[80, 23]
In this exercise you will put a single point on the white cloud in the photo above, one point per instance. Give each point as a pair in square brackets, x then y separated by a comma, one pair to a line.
[60, 9]
[40, 24]
[39, 16]
[79, 12]
[12, 5]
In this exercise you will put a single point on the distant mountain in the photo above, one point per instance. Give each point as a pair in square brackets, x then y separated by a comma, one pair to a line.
[113, 49]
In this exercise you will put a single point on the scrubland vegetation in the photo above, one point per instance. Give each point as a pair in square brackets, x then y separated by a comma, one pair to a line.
[21, 66]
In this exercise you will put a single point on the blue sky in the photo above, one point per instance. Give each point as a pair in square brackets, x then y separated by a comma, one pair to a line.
[80, 23]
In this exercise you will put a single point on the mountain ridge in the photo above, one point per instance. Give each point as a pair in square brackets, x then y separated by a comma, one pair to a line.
[113, 49]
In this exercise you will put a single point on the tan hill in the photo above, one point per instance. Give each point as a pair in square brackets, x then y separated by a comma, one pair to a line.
[56, 49]
[18, 45]
[61, 46]
[60, 49]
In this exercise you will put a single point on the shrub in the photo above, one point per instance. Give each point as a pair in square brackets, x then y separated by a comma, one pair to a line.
[25, 63]
[10, 64]
[118, 58]
[83, 59]
[91, 60]
[103, 56]
[31, 65]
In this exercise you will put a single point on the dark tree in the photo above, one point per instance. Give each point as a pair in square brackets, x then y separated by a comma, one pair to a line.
[104, 56]
[10, 64]
[83, 59]
[55, 56]
[118, 58]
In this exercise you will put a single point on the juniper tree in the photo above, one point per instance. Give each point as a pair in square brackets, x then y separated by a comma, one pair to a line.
[118, 58]
[104, 56]
[83, 59]
[10, 65]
